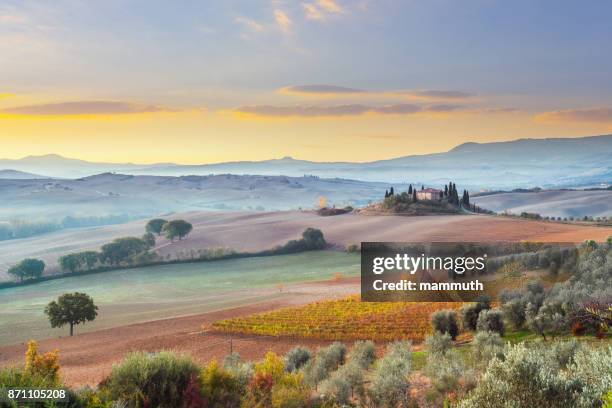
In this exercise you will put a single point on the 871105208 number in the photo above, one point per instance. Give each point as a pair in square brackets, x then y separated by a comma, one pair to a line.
[36, 394]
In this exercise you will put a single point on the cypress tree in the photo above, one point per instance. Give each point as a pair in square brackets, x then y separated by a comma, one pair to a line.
[391, 192]
[386, 193]
[410, 189]
[414, 196]
[445, 191]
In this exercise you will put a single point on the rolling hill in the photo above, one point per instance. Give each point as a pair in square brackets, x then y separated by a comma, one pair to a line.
[556, 203]
[142, 196]
[18, 175]
[256, 231]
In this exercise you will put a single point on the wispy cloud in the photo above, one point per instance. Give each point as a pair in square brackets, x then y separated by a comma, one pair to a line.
[313, 12]
[320, 90]
[85, 108]
[588, 115]
[330, 6]
[321, 9]
[340, 91]
[6, 95]
[313, 111]
[433, 94]
[250, 23]
[282, 20]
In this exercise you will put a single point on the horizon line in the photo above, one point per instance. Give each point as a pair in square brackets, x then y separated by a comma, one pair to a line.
[289, 157]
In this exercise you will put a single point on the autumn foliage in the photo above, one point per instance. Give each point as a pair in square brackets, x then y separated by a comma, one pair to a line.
[346, 319]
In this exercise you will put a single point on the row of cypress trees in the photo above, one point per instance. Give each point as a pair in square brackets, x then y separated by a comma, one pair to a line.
[450, 193]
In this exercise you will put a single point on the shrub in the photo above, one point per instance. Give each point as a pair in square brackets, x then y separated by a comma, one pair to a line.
[469, 316]
[158, 380]
[438, 344]
[45, 366]
[487, 345]
[390, 383]
[363, 354]
[532, 377]
[289, 397]
[514, 313]
[91, 398]
[564, 351]
[296, 358]
[242, 371]
[491, 320]
[445, 321]
[445, 371]
[327, 359]
[12, 377]
[470, 312]
[271, 365]
[259, 391]
[337, 388]
[40, 371]
[290, 392]
[220, 387]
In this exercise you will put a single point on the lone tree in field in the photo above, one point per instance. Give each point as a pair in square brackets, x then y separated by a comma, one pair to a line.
[177, 229]
[71, 308]
[155, 226]
[29, 268]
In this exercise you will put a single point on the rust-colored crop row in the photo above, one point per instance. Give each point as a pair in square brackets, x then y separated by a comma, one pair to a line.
[346, 319]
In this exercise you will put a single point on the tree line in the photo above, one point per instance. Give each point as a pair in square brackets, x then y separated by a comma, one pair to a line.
[120, 251]
[136, 251]
[127, 250]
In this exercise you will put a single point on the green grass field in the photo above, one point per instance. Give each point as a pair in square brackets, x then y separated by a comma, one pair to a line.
[143, 294]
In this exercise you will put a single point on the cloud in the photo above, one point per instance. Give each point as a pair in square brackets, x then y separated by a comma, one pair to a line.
[320, 90]
[251, 24]
[311, 111]
[334, 90]
[313, 12]
[443, 108]
[321, 9]
[436, 94]
[592, 115]
[330, 6]
[85, 108]
[6, 95]
[282, 20]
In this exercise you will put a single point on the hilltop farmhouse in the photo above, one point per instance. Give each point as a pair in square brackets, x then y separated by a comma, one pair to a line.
[430, 194]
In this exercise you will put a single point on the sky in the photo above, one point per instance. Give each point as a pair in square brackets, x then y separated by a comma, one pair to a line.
[324, 80]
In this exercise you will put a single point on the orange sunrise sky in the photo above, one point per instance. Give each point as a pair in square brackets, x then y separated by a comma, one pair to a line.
[320, 80]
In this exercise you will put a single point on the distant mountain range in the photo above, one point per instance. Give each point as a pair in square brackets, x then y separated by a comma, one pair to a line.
[549, 163]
